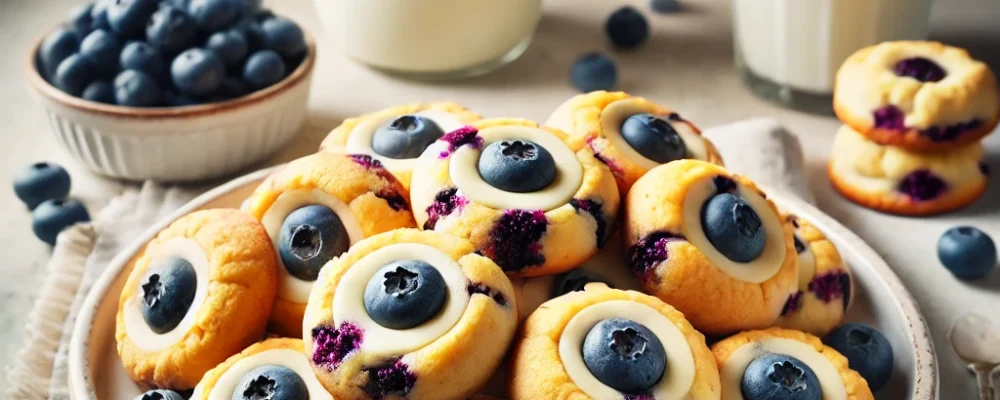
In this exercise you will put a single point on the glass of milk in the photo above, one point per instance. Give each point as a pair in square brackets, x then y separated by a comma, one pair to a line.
[788, 51]
[431, 39]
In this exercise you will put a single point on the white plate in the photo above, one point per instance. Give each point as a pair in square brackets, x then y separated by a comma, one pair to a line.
[880, 299]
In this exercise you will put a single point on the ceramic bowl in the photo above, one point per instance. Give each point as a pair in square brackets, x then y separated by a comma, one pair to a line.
[176, 144]
[880, 299]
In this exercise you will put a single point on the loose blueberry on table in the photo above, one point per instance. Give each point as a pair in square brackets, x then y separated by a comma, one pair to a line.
[967, 252]
[665, 6]
[310, 236]
[405, 294]
[868, 352]
[654, 138]
[407, 136]
[593, 71]
[40, 182]
[167, 292]
[53, 216]
[627, 28]
[779, 377]
[271, 382]
[516, 165]
[624, 355]
[160, 394]
[733, 227]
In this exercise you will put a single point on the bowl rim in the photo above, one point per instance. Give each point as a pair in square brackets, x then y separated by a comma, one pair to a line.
[41, 86]
[927, 377]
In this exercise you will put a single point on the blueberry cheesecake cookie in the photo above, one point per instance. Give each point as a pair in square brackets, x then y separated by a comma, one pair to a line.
[521, 195]
[922, 96]
[825, 283]
[603, 343]
[275, 369]
[409, 314]
[630, 134]
[397, 136]
[709, 242]
[780, 364]
[891, 179]
[314, 209]
[199, 293]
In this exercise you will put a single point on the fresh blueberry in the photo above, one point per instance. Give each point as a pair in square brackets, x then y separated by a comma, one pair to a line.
[230, 46]
[136, 89]
[654, 138]
[80, 20]
[178, 4]
[574, 281]
[264, 14]
[868, 352]
[211, 15]
[53, 216]
[625, 355]
[311, 236]
[779, 377]
[128, 17]
[73, 75]
[283, 36]
[517, 165]
[99, 14]
[142, 56]
[627, 28]
[263, 68]
[232, 88]
[171, 30]
[100, 91]
[733, 227]
[665, 6]
[172, 99]
[168, 291]
[40, 182]
[160, 394]
[593, 71]
[271, 382]
[405, 137]
[197, 72]
[57, 46]
[405, 294]
[101, 49]
[967, 252]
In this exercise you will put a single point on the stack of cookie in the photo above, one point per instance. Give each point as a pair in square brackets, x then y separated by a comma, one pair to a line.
[914, 114]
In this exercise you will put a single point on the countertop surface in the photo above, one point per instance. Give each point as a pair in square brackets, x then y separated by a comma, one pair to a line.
[687, 64]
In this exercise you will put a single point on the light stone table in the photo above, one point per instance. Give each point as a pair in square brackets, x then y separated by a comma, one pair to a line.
[687, 64]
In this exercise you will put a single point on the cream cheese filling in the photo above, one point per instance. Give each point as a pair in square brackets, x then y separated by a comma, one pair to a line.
[676, 381]
[464, 170]
[756, 271]
[349, 302]
[288, 358]
[290, 287]
[359, 141]
[135, 325]
[731, 371]
[615, 114]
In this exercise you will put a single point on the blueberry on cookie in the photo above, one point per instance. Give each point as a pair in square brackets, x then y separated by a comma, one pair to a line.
[397, 136]
[199, 293]
[274, 369]
[401, 312]
[520, 194]
[314, 209]
[630, 134]
[605, 343]
[710, 243]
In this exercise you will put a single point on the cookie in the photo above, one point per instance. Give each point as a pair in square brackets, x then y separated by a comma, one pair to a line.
[397, 136]
[921, 96]
[709, 243]
[604, 343]
[630, 134]
[825, 283]
[518, 193]
[274, 367]
[408, 313]
[200, 292]
[893, 180]
[756, 361]
[316, 207]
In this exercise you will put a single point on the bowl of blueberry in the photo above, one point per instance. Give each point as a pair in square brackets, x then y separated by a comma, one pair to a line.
[173, 90]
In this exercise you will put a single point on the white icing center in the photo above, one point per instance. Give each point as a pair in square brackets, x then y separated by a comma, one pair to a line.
[676, 381]
[807, 266]
[349, 301]
[756, 271]
[613, 117]
[288, 358]
[732, 370]
[359, 141]
[289, 287]
[135, 325]
[464, 170]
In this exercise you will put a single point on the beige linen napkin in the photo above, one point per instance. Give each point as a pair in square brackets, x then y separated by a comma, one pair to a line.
[758, 148]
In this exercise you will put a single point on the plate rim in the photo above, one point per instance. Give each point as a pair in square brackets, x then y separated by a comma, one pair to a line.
[927, 377]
